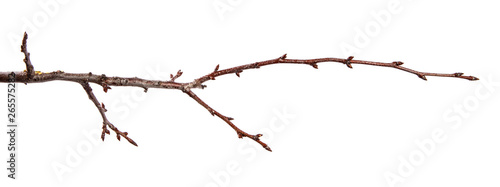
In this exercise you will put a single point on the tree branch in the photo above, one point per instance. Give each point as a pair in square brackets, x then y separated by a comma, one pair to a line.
[24, 48]
[32, 76]
[102, 110]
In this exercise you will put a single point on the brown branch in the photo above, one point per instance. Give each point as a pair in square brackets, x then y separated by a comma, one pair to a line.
[24, 48]
[30, 76]
[102, 110]
[226, 119]
[313, 62]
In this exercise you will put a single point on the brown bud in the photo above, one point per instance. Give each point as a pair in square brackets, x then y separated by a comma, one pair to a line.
[397, 63]
[422, 76]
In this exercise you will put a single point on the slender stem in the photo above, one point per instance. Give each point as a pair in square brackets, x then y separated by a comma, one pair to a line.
[102, 110]
[32, 76]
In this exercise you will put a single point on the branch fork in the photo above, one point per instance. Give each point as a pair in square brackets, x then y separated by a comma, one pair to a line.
[32, 76]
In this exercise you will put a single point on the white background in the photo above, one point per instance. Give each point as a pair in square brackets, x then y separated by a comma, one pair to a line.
[343, 127]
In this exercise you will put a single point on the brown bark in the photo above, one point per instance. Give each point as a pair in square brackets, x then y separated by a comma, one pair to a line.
[32, 76]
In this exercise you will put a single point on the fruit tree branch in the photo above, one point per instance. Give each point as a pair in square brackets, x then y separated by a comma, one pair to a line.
[32, 76]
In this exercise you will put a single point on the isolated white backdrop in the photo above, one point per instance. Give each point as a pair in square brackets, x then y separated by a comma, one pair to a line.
[327, 127]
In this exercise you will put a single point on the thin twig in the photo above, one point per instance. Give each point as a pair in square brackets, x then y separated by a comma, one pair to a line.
[30, 76]
[24, 48]
[102, 110]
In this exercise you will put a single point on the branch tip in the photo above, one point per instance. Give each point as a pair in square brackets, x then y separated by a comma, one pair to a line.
[24, 49]
[268, 148]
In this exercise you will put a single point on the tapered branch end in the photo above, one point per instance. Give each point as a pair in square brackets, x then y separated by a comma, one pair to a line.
[460, 75]
[25, 39]
[268, 148]
[131, 141]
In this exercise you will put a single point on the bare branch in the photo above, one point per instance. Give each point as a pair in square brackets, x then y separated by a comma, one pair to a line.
[102, 110]
[226, 119]
[30, 76]
[313, 62]
[24, 48]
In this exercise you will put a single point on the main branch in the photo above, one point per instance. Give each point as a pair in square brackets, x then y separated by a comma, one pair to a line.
[32, 76]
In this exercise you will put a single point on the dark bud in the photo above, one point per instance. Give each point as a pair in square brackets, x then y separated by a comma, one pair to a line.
[397, 63]
[104, 107]
[422, 77]
[268, 148]
[348, 61]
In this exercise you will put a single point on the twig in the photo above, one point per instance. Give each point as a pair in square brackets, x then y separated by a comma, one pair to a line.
[30, 76]
[102, 110]
[24, 48]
